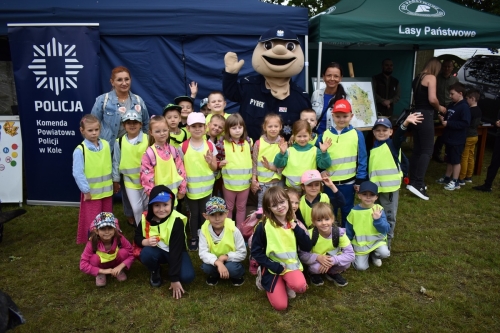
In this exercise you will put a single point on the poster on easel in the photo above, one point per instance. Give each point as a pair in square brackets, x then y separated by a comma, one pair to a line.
[11, 160]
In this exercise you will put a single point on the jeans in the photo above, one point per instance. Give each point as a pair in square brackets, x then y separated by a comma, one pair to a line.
[423, 143]
[152, 257]
[235, 269]
[348, 191]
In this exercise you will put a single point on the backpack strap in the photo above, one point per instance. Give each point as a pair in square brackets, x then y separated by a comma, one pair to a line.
[152, 157]
[120, 142]
[185, 144]
[335, 236]
[315, 236]
[83, 151]
[106, 97]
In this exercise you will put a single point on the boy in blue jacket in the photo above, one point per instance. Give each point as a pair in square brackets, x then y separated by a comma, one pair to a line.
[456, 120]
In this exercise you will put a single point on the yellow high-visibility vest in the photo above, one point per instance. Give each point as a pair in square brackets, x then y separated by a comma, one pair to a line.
[282, 247]
[237, 173]
[226, 244]
[130, 162]
[344, 154]
[383, 171]
[97, 169]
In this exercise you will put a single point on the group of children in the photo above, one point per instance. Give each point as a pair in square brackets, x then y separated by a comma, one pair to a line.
[187, 154]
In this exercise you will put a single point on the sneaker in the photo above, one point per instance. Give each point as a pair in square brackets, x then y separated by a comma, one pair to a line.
[316, 280]
[258, 280]
[155, 279]
[193, 244]
[376, 261]
[290, 292]
[482, 188]
[451, 186]
[122, 276]
[443, 180]
[421, 193]
[461, 182]
[337, 279]
[100, 280]
[212, 280]
[468, 179]
[237, 281]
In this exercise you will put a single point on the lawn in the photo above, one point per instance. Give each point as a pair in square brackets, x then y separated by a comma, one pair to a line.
[448, 245]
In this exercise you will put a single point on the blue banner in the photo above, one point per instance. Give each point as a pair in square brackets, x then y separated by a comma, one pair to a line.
[56, 71]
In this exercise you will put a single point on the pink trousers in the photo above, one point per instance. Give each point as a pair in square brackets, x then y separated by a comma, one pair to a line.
[122, 255]
[88, 212]
[294, 280]
[238, 199]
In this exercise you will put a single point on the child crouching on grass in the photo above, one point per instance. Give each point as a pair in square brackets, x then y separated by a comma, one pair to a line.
[107, 251]
[367, 228]
[222, 247]
[331, 252]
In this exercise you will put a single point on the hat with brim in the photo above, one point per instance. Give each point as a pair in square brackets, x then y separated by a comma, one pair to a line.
[342, 105]
[179, 99]
[171, 106]
[196, 118]
[368, 186]
[279, 32]
[383, 122]
[161, 197]
[203, 102]
[310, 176]
[215, 205]
[131, 115]
[104, 219]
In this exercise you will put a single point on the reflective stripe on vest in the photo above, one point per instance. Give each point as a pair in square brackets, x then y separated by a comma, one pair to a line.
[282, 247]
[383, 170]
[130, 161]
[324, 246]
[237, 173]
[298, 162]
[269, 151]
[366, 236]
[97, 169]
[306, 211]
[200, 178]
[344, 154]
[166, 173]
[163, 230]
[226, 244]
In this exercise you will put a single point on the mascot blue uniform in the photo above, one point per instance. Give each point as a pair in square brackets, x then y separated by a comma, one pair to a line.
[277, 57]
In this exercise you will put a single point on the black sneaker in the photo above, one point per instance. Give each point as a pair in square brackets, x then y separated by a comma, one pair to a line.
[155, 279]
[482, 188]
[316, 280]
[238, 281]
[421, 193]
[193, 244]
[212, 280]
[337, 279]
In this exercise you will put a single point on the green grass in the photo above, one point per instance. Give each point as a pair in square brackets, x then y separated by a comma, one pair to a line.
[449, 245]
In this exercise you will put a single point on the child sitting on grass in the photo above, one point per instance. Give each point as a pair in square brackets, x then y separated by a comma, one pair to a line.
[221, 247]
[331, 252]
[367, 228]
[107, 251]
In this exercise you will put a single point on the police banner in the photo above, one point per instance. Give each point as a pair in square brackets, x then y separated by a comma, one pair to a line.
[56, 71]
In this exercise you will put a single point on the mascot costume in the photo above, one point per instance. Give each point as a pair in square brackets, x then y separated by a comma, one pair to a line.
[277, 57]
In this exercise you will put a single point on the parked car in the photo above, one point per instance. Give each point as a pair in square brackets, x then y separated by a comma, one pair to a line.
[482, 72]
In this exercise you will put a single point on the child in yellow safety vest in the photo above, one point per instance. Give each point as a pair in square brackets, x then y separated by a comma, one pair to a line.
[161, 164]
[107, 251]
[235, 161]
[222, 247]
[312, 185]
[127, 156]
[387, 165]
[301, 156]
[348, 154]
[176, 135]
[367, 228]
[274, 247]
[264, 173]
[161, 239]
[331, 252]
[92, 172]
[200, 161]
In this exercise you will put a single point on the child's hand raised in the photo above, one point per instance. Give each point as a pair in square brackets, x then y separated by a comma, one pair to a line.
[194, 89]
[283, 146]
[323, 146]
[413, 118]
[328, 182]
[376, 212]
[209, 157]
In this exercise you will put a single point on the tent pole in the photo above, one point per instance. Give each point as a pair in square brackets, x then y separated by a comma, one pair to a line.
[306, 64]
[318, 73]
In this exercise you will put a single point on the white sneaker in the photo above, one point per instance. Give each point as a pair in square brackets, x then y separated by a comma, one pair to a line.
[422, 193]
[290, 293]
[258, 280]
[377, 262]
[451, 186]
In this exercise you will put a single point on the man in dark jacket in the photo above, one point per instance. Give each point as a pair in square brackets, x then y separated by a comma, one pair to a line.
[386, 89]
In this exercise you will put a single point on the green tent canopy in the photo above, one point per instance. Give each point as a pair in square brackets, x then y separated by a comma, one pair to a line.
[399, 24]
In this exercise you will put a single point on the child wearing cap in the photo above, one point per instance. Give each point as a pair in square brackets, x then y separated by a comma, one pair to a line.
[386, 165]
[127, 156]
[204, 107]
[200, 161]
[187, 106]
[107, 251]
[161, 236]
[348, 154]
[312, 186]
[176, 135]
[222, 247]
[367, 228]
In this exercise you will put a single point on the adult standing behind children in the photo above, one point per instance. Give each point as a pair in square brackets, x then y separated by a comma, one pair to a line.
[386, 89]
[424, 92]
[322, 100]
